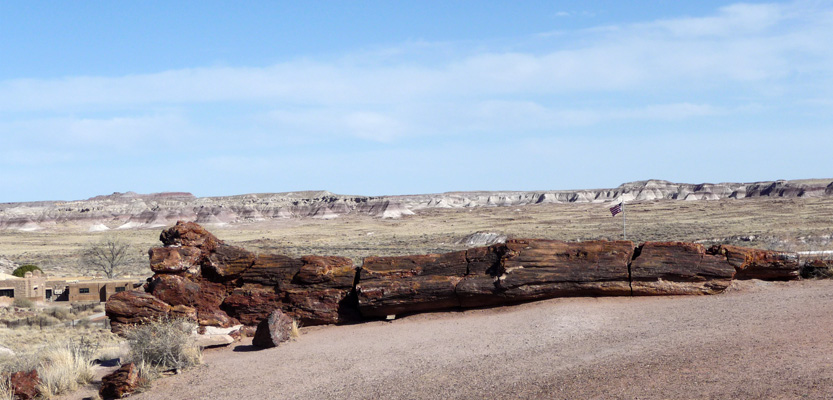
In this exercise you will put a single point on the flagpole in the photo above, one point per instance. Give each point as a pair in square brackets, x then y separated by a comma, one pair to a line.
[624, 231]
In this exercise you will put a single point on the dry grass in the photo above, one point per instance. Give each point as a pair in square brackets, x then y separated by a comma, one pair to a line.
[65, 366]
[6, 392]
[295, 330]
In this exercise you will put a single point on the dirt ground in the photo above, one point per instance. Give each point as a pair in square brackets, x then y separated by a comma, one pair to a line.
[757, 340]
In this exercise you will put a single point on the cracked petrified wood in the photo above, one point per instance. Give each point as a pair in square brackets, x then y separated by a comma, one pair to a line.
[200, 277]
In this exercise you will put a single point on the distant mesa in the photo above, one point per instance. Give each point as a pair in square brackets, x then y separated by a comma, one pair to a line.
[132, 210]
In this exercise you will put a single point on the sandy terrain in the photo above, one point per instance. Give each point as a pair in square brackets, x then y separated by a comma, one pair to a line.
[757, 340]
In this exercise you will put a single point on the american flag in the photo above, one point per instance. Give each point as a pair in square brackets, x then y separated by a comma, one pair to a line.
[616, 209]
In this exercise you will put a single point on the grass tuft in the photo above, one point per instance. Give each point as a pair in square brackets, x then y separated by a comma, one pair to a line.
[295, 330]
[164, 344]
[64, 366]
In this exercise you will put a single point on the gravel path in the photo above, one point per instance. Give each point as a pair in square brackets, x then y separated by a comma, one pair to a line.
[757, 340]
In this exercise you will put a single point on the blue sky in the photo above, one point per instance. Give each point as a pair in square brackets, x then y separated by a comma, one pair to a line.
[221, 98]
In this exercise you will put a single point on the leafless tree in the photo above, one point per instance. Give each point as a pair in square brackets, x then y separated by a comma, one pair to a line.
[110, 256]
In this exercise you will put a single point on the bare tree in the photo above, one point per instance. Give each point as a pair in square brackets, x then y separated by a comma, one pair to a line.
[110, 256]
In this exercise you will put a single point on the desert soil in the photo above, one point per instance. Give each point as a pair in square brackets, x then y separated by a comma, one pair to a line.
[757, 340]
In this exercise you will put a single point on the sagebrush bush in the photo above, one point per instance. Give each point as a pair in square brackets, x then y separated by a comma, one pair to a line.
[21, 302]
[40, 320]
[164, 344]
[66, 365]
[79, 308]
[61, 313]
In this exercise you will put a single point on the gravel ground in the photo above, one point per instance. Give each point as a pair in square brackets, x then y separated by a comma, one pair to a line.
[757, 340]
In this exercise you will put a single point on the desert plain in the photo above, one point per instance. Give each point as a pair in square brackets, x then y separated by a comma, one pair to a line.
[756, 340]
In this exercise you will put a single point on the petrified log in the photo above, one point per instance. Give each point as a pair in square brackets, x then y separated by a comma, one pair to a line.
[759, 264]
[120, 383]
[251, 303]
[539, 269]
[273, 330]
[133, 307]
[202, 295]
[671, 268]
[227, 262]
[24, 385]
[174, 259]
[200, 277]
[272, 270]
[395, 285]
[189, 234]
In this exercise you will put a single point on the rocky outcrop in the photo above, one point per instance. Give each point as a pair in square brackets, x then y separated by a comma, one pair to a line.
[198, 276]
[132, 211]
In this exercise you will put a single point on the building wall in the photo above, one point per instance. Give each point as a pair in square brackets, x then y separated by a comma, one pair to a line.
[97, 290]
[32, 287]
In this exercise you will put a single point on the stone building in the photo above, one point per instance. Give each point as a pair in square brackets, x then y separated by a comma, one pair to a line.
[31, 287]
[98, 290]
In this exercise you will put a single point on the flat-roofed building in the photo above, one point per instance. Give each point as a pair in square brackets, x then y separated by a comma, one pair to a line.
[98, 290]
[31, 287]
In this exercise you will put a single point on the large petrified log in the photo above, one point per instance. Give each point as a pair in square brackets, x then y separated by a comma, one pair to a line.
[200, 277]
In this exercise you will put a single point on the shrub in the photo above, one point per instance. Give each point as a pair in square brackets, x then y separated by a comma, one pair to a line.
[817, 269]
[23, 269]
[21, 302]
[164, 344]
[61, 313]
[40, 321]
[81, 308]
[64, 366]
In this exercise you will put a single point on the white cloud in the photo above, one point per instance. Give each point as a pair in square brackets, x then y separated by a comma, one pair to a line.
[742, 45]
[744, 65]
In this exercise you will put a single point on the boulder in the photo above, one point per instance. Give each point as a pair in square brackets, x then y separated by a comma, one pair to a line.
[759, 264]
[121, 382]
[24, 385]
[273, 330]
[676, 268]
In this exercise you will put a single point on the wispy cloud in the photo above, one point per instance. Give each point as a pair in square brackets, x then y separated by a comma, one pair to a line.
[744, 66]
